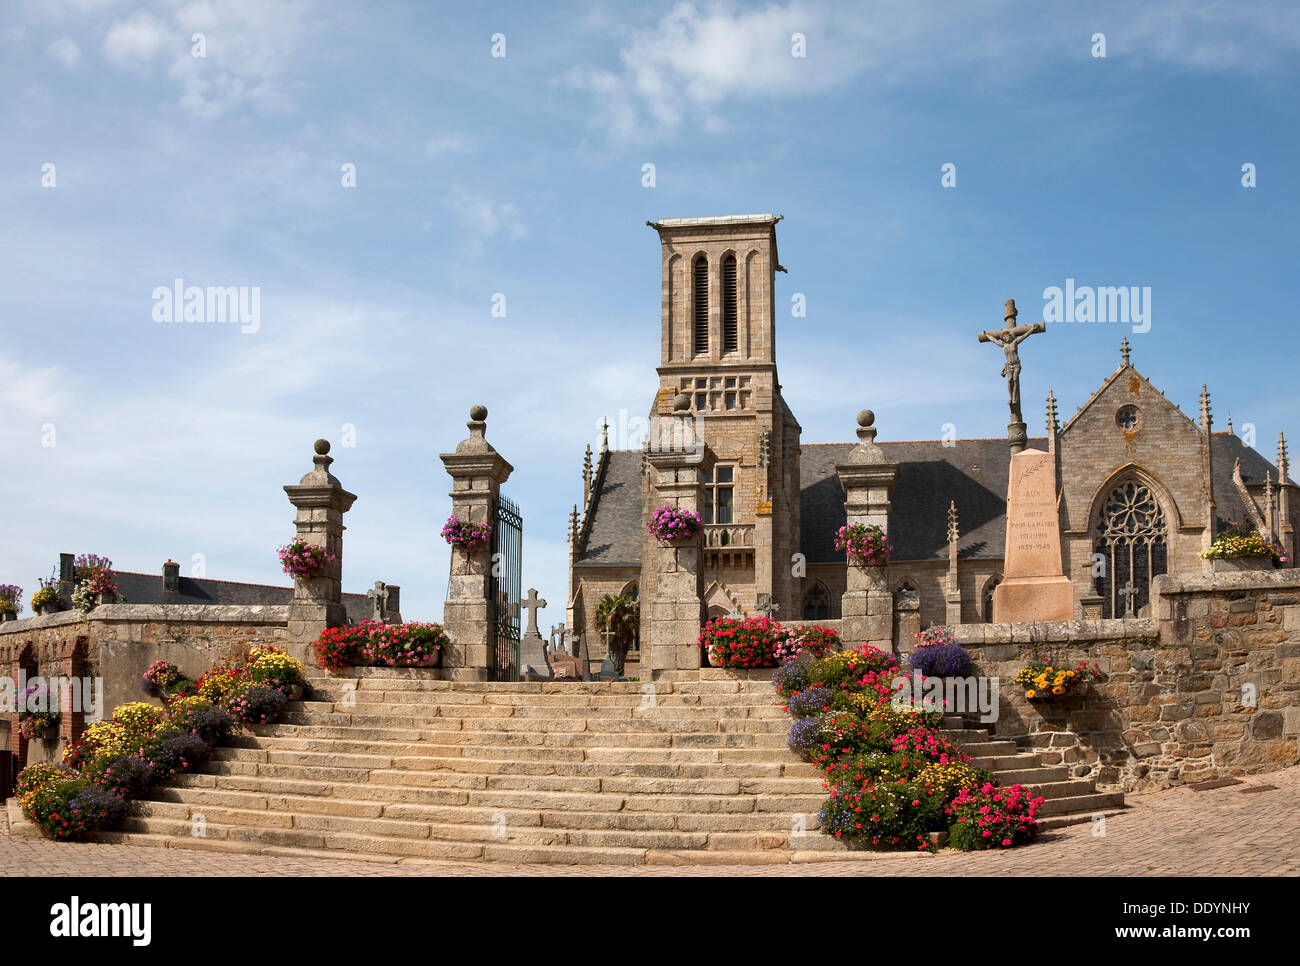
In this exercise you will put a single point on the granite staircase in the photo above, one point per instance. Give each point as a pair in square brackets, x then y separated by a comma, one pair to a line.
[391, 765]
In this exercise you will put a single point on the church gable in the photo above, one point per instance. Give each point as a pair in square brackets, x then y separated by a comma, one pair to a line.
[1129, 428]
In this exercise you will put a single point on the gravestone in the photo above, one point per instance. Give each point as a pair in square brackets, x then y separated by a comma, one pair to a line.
[565, 665]
[608, 670]
[1034, 587]
[533, 661]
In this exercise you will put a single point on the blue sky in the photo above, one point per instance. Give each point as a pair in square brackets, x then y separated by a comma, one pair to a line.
[522, 175]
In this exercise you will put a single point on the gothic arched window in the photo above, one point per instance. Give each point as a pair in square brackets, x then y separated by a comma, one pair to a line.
[986, 607]
[1132, 538]
[700, 270]
[730, 332]
[816, 604]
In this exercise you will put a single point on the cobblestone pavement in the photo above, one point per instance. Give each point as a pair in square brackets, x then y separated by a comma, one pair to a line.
[1170, 833]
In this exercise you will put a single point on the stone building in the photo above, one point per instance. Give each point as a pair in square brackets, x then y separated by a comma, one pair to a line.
[1143, 487]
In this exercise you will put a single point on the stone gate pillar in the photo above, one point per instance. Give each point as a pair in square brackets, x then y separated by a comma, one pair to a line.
[317, 601]
[868, 479]
[477, 472]
[677, 606]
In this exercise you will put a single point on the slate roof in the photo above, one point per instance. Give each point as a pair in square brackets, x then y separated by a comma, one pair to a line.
[973, 472]
[148, 589]
[615, 536]
[1225, 449]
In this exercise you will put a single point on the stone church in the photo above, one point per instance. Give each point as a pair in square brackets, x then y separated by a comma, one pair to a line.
[1142, 486]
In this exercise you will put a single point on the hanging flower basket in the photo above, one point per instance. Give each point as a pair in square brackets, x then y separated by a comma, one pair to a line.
[306, 560]
[669, 523]
[1045, 682]
[863, 545]
[466, 536]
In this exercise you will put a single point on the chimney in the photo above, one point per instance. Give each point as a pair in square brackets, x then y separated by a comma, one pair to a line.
[171, 574]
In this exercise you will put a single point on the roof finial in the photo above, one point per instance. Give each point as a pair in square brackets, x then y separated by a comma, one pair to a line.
[1207, 419]
[1230, 429]
[604, 436]
[1051, 413]
[1282, 462]
[1124, 350]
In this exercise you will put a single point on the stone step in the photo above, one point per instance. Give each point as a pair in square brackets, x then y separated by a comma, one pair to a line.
[745, 783]
[452, 701]
[656, 720]
[662, 766]
[1076, 818]
[1090, 803]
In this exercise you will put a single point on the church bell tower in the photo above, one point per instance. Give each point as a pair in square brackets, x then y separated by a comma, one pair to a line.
[718, 369]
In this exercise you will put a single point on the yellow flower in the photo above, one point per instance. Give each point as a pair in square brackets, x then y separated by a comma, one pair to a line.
[1030, 694]
[1058, 690]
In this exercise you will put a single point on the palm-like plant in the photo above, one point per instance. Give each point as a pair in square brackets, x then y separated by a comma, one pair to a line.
[619, 617]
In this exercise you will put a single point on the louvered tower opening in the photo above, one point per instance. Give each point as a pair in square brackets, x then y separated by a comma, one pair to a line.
[730, 339]
[701, 304]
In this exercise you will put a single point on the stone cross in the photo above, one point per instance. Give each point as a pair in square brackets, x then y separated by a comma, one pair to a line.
[767, 606]
[533, 604]
[735, 614]
[1008, 339]
[378, 600]
[1129, 592]
[559, 636]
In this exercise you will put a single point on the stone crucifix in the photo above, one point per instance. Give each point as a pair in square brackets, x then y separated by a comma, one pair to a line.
[533, 604]
[1128, 593]
[1009, 339]
[767, 606]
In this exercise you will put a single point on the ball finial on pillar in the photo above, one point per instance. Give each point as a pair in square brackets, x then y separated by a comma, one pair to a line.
[866, 417]
[322, 447]
[478, 413]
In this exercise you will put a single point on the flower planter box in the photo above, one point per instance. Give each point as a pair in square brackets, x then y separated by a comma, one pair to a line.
[45, 610]
[1228, 565]
[8, 616]
[48, 734]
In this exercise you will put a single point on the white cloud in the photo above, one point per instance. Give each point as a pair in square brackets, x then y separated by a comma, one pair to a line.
[701, 65]
[135, 41]
[484, 219]
[453, 142]
[66, 51]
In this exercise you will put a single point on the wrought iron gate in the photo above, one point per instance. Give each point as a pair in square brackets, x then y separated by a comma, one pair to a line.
[506, 589]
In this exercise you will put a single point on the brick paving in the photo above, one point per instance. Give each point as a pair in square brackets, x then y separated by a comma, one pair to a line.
[1170, 833]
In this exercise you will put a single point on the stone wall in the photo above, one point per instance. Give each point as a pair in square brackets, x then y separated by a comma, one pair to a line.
[118, 642]
[1209, 687]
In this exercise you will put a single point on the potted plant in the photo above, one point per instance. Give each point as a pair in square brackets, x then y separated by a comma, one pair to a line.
[373, 643]
[96, 585]
[11, 601]
[1239, 548]
[618, 618]
[306, 560]
[939, 655]
[36, 719]
[866, 546]
[1046, 682]
[466, 536]
[275, 668]
[46, 600]
[670, 523]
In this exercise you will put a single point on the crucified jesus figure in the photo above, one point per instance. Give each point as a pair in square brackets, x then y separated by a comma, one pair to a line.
[1008, 339]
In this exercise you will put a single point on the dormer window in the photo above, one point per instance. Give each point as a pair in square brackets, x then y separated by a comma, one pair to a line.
[701, 272]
